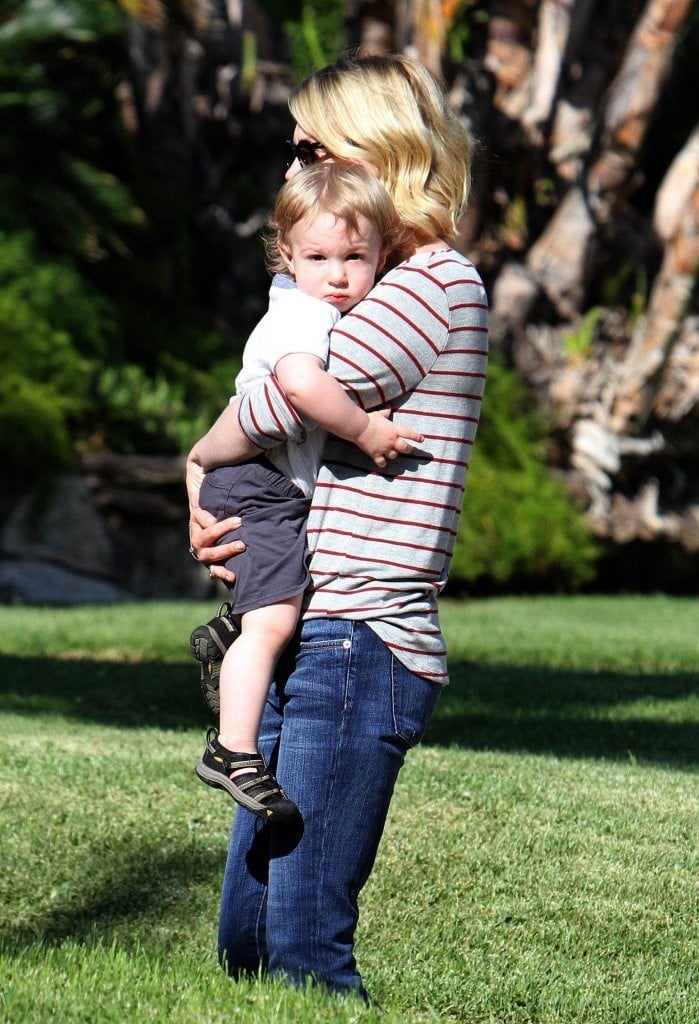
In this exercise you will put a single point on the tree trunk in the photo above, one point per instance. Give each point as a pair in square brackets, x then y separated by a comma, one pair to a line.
[623, 380]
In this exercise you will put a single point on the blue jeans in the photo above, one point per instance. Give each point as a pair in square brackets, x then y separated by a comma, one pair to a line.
[340, 718]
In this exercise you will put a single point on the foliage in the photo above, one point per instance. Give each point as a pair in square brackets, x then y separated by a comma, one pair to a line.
[157, 414]
[62, 382]
[61, 136]
[519, 526]
[94, 325]
[314, 29]
[462, 17]
[578, 342]
[33, 429]
[52, 329]
[57, 293]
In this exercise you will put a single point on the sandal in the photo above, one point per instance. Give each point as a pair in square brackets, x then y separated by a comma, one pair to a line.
[208, 644]
[256, 789]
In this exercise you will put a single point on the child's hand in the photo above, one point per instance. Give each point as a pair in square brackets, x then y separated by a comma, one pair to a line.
[382, 440]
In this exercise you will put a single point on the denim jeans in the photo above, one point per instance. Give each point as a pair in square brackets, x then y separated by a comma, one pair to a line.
[340, 717]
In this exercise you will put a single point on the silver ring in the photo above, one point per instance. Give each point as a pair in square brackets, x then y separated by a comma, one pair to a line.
[211, 576]
[193, 553]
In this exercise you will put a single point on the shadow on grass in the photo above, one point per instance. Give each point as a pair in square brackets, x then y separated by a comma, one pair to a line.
[138, 891]
[104, 692]
[569, 713]
[529, 709]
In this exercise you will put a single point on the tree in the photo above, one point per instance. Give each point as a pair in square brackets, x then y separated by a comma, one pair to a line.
[594, 295]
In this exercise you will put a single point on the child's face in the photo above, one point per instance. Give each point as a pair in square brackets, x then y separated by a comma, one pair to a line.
[330, 264]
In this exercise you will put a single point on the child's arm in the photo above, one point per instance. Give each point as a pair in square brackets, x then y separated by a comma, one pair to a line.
[317, 395]
[224, 444]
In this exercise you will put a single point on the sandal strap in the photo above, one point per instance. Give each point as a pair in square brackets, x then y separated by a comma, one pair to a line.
[232, 761]
[256, 781]
[261, 787]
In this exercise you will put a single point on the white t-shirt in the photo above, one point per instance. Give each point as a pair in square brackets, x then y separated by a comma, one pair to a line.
[294, 322]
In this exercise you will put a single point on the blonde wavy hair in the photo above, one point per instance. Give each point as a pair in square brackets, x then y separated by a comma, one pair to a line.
[391, 112]
[347, 191]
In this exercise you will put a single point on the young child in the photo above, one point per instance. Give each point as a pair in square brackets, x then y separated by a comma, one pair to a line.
[332, 228]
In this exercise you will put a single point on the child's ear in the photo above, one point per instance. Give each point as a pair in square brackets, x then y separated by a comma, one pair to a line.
[383, 256]
[286, 255]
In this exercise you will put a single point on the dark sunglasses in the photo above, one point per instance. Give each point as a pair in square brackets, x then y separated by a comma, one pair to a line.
[304, 151]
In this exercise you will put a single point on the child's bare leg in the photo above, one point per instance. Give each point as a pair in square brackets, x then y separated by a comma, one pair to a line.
[247, 671]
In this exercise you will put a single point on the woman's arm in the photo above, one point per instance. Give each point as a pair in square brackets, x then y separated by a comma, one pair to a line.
[314, 393]
[384, 348]
[224, 444]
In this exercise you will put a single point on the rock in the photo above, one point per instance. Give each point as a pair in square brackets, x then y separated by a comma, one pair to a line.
[31, 581]
[116, 531]
[57, 522]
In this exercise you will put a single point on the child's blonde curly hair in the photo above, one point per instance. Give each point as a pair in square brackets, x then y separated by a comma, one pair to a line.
[348, 191]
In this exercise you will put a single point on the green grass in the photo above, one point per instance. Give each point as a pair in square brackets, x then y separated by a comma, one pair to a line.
[539, 866]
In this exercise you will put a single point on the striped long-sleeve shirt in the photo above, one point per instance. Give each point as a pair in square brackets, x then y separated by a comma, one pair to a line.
[381, 541]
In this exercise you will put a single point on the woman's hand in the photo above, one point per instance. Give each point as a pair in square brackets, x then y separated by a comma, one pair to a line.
[204, 534]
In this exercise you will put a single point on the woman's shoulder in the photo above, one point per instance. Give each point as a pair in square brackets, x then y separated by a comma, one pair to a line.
[438, 262]
[440, 269]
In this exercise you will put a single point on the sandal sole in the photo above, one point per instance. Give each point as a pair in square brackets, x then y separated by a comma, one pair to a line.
[208, 645]
[210, 685]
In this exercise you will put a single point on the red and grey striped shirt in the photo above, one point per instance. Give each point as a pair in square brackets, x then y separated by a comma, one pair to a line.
[381, 541]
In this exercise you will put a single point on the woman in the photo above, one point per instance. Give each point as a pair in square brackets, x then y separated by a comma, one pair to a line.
[357, 687]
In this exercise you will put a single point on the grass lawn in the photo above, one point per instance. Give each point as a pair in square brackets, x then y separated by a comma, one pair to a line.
[540, 863]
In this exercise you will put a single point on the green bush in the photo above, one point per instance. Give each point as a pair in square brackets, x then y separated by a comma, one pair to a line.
[65, 384]
[166, 413]
[45, 382]
[56, 293]
[520, 527]
[34, 436]
[62, 141]
[49, 323]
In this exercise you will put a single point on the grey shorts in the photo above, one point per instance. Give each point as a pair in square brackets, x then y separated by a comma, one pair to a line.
[274, 512]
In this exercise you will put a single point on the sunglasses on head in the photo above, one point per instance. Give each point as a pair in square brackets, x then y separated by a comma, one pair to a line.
[305, 152]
